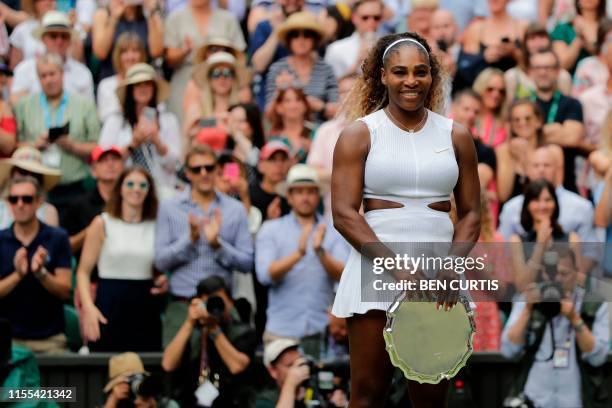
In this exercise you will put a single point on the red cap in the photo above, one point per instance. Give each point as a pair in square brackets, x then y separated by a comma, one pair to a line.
[272, 147]
[213, 137]
[98, 151]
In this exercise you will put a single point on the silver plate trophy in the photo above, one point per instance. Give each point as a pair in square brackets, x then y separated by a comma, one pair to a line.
[429, 345]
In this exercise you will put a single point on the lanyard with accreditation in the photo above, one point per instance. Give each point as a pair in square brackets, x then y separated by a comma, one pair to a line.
[554, 107]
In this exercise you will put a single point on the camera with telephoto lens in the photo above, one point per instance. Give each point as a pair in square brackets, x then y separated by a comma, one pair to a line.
[321, 381]
[141, 385]
[551, 292]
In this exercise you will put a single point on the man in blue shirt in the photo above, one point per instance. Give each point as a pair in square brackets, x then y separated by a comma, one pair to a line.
[301, 257]
[554, 378]
[35, 276]
[199, 233]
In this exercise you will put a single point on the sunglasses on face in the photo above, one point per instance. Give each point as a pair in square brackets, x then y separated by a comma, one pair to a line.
[222, 72]
[55, 36]
[198, 169]
[26, 199]
[375, 17]
[218, 48]
[492, 89]
[131, 185]
[302, 33]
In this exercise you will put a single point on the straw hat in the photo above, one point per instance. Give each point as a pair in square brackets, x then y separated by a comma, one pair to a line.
[121, 366]
[200, 73]
[200, 54]
[142, 72]
[29, 159]
[54, 21]
[300, 175]
[302, 20]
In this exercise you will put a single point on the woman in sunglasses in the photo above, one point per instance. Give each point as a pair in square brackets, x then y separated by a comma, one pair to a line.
[209, 94]
[120, 242]
[27, 161]
[149, 134]
[490, 126]
[302, 34]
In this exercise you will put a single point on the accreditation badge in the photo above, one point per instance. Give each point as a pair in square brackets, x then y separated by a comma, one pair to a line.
[561, 357]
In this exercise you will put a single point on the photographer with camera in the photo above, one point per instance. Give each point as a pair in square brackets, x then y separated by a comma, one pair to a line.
[561, 333]
[213, 349]
[131, 386]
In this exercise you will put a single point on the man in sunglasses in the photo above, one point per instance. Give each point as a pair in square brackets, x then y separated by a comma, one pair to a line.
[56, 33]
[345, 55]
[35, 275]
[201, 232]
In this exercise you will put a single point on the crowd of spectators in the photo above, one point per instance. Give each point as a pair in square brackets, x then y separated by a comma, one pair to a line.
[165, 172]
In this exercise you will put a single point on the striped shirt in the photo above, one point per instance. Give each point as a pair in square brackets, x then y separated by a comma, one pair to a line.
[322, 84]
[84, 127]
[189, 263]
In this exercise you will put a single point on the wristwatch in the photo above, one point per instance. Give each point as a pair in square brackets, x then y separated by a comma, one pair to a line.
[320, 251]
[578, 327]
[40, 275]
[215, 333]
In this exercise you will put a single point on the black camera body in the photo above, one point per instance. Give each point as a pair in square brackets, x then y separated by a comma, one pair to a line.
[551, 294]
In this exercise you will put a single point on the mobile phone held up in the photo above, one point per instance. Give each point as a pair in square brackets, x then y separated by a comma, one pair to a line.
[207, 122]
[150, 113]
[231, 171]
[57, 132]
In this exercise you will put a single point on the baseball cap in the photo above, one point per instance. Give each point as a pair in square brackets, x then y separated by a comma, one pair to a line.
[272, 147]
[277, 347]
[98, 151]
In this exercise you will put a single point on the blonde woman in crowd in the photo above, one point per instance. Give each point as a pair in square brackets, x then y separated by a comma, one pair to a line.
[491, 87]
[129, 50]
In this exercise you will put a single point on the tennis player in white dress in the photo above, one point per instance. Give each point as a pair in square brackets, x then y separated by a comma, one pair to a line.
[402, 161]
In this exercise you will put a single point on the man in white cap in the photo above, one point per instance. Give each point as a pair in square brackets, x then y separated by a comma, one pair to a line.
[301, 257]
[56, 34]
[289, 370]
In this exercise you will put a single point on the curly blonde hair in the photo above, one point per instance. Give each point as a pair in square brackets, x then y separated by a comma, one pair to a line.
[369, 94]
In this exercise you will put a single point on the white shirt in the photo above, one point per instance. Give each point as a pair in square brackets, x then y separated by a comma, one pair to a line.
[117, 131]
[343, 54]
[22, 38]
[77, 78]
[108, 103]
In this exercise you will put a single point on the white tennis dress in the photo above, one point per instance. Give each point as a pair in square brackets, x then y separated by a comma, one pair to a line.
[411, 168]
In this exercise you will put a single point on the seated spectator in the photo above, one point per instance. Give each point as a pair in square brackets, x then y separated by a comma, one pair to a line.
[122, 370]
[576, 39]
[233, 182]
[526, 135]
[186, 30]
[144, 19]
[243, 72]
[8, 126]
[24, 45]
[444, 34]
[210, 93]
[490, 126]
[213, 322]
[27, 161]
[297, 247]
[262, 10]
[55, 33]
[264, 45]
[54, 108]
[559, 354]
[289, 370]
[346, 55]
[301, 34]
[597, 102]
[149, 133]
[106, 167]
[419, 18]
[321, 152]
[200, 233]
[337, 23]
[34, 285]
[289, 114]
[593, 70]
[129, 50]
[539, 219]
[563, 114]
[575, 212]
[518, 82]
[491, 42]
[126, 312]
[246, 135]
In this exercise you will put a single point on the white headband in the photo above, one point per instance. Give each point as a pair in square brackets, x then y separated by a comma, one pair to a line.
[402, 40]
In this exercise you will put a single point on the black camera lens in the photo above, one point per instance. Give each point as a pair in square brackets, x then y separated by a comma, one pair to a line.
[215, 306]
